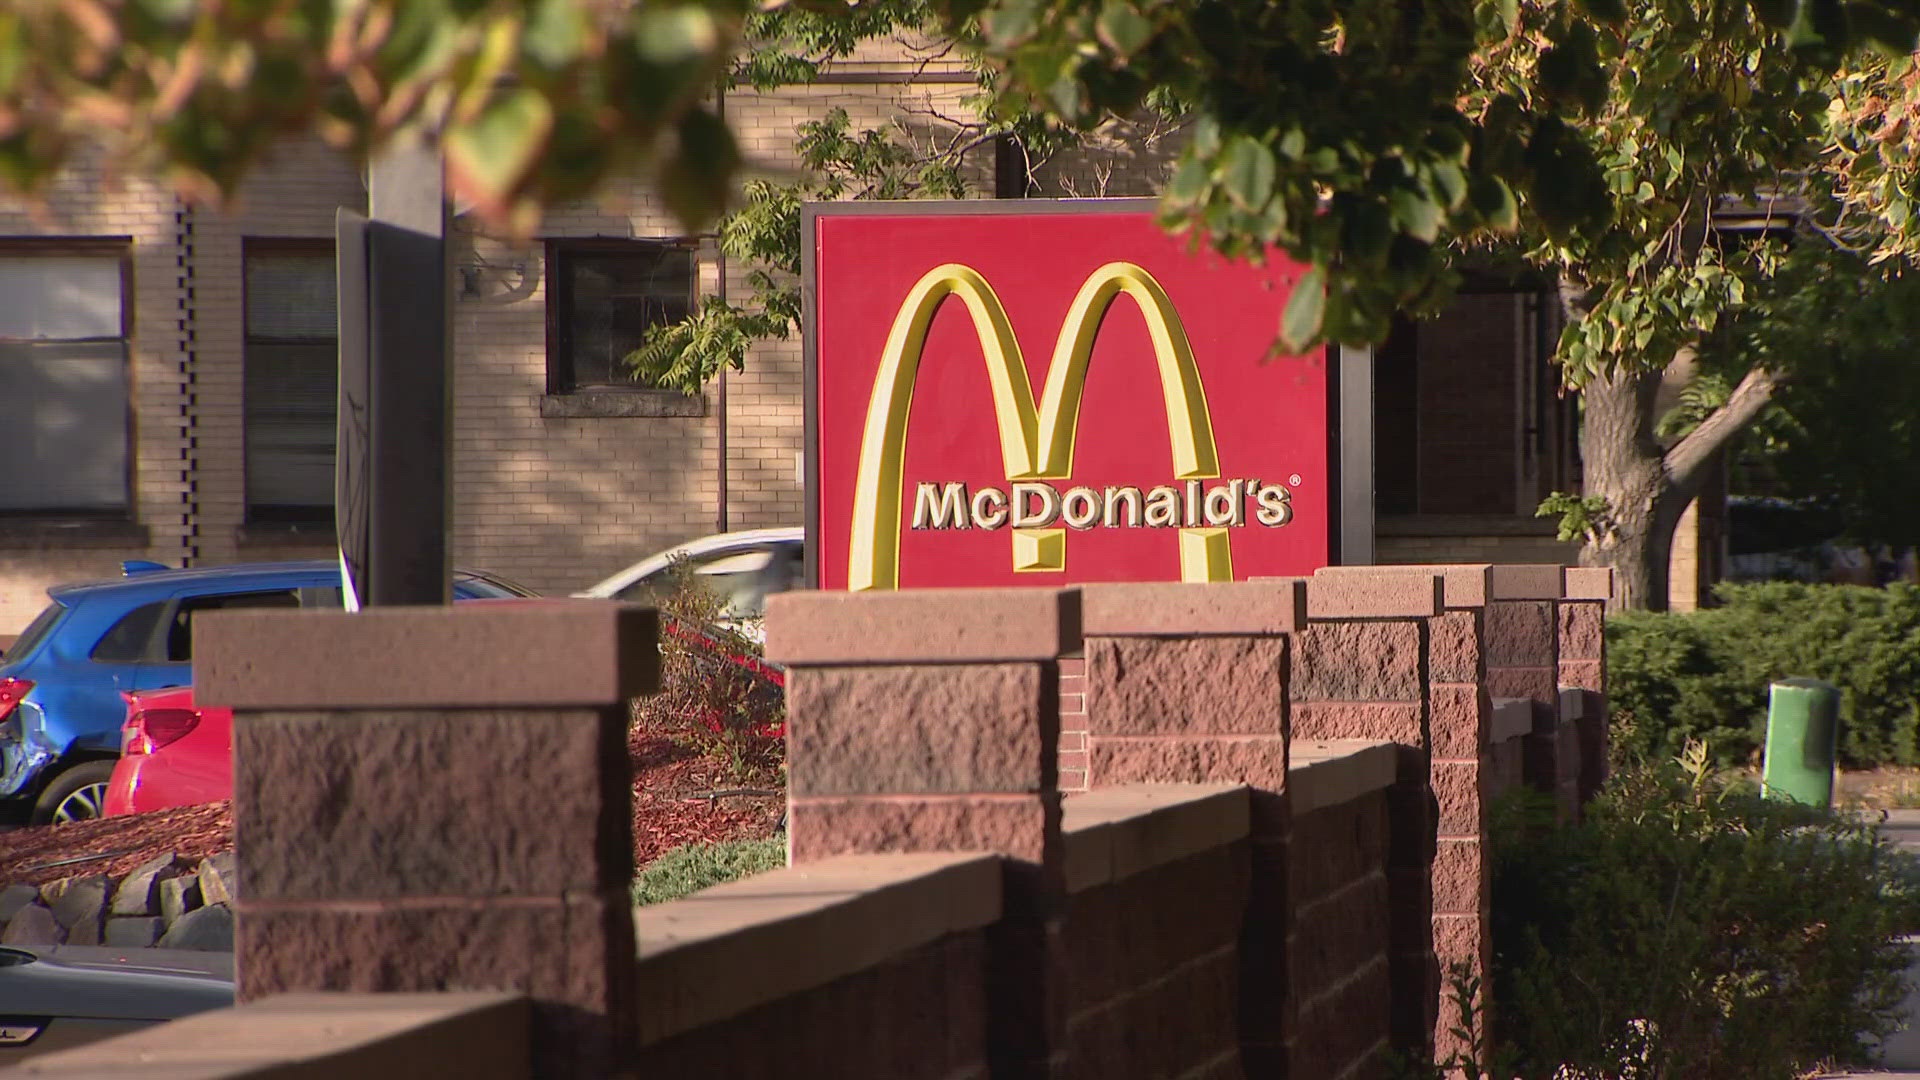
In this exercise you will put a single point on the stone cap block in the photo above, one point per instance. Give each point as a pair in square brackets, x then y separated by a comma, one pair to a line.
[1579, 704]
[1512, 718]
[926, 626]
[1190, 609]
[479, 1034]
[1373, 592]
[1589, 583]
[1328, 772]
[1462, 585]
[1114, 833]
[1527, 581]
[553, 653]
[728, 949]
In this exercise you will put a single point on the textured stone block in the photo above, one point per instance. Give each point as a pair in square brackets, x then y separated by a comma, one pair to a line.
[574, 957]
[1453, 648]
[953, 626]
[926, 729]
[1195, 686]
[1331, 849]
[564, 652]
[1255, 760]
[1459, 721]
[1373, 593]
[205, 929]
[1462, 585]
[1187, 609]
[1345, 1026]
[1589, 583]
[1338, 934]
[1459, 877]
[1540, 685]
[1024, 827]
[1520, 633]
[1582, 632]
[1357, 661]
[1584, 674]
[133, 932]
[1391, 722]
[1459, 789]
[424, 803]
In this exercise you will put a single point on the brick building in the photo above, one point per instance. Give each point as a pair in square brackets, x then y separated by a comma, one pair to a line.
[166, 374]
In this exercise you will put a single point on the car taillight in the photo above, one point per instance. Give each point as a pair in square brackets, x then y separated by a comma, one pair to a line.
[148, 730]
[12, 690]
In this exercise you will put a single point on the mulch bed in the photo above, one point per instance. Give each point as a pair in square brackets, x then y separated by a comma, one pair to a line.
[673, 804]
[113, 845]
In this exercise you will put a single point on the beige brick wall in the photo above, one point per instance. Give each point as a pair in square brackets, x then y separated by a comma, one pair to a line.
[83, 202]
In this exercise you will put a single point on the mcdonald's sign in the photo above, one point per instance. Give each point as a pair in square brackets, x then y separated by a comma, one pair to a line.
[1041, 392]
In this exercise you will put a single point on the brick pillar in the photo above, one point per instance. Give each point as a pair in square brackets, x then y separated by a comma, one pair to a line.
[929, 720]
[1583, 667]
[1073, 723]
[1523, 662]
[1363, 670]
[1186, 683]
[436, 799]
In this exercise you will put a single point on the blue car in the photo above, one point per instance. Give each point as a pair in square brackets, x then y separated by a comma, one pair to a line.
[60, 683]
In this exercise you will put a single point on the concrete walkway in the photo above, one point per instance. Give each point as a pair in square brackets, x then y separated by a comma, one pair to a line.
[1901, 1054]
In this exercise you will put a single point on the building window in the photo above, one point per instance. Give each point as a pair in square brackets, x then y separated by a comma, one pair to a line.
[602, 297]
[65, 318]
[292, 370]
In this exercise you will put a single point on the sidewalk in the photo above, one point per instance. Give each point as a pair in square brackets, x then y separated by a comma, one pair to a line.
[1901, 1056]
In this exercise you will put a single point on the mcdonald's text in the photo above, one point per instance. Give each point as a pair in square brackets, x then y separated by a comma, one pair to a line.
[1038, 505]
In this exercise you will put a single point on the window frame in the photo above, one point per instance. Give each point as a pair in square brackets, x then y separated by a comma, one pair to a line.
[120, 248]
[559, 299]
[251, 246]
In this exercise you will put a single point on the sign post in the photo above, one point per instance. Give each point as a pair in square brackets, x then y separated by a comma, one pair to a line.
[1043, 392]
[392, 481]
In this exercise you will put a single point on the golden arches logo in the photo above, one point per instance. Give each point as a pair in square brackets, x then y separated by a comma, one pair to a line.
[1034, 444]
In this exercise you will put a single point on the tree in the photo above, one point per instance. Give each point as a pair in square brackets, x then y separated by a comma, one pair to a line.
[1374, 140]
[1380, 141]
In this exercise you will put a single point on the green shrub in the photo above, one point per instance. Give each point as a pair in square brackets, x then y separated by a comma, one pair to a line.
[1689, 930]
[692, 867]
[1704, 675]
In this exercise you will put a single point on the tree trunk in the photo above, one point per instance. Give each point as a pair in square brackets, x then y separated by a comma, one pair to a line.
[1647, 486]
[1622, 461]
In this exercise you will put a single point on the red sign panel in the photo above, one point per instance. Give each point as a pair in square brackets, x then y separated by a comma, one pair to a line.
[1041, 398]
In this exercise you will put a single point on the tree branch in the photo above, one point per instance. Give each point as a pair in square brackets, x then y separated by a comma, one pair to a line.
[1686, 462]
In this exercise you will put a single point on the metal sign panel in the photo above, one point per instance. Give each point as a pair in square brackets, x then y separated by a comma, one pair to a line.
[1044, 392]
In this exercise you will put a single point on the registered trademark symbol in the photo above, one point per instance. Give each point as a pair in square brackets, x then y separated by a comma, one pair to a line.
[1294, 479]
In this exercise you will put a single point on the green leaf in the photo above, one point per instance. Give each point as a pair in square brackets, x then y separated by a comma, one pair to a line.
[1247, 172]
[1122, 28]
[1416, 214]
[489, 156]
[1300, 324]
[1451, 180]
[1494, 201]
[1190, 184]
[1509, 15]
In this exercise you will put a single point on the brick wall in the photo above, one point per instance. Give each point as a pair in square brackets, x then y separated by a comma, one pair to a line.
[1229, 898]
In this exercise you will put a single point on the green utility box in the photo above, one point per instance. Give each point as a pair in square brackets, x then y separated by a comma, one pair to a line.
[1803, 728]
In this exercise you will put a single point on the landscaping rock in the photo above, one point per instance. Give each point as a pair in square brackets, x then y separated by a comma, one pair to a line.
[15, 897]
[217, 879]
[177, 897]
[33, 925]
[139, 891]
[135, 932]
[209, 929]
[80, 898]
[85, 932]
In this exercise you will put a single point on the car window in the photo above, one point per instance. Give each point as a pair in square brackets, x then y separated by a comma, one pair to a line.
[128, 640]
[37, 630]
[489, 587]
[738, 577]
[180, 633]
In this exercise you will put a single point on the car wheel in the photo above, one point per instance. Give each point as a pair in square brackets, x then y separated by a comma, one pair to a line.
[79, 794]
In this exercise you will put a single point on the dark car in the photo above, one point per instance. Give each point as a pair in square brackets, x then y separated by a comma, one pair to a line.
[59, 997]
[61, 684]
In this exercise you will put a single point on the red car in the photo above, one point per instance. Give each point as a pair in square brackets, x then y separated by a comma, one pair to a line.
[174, 754]
[171, 754]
